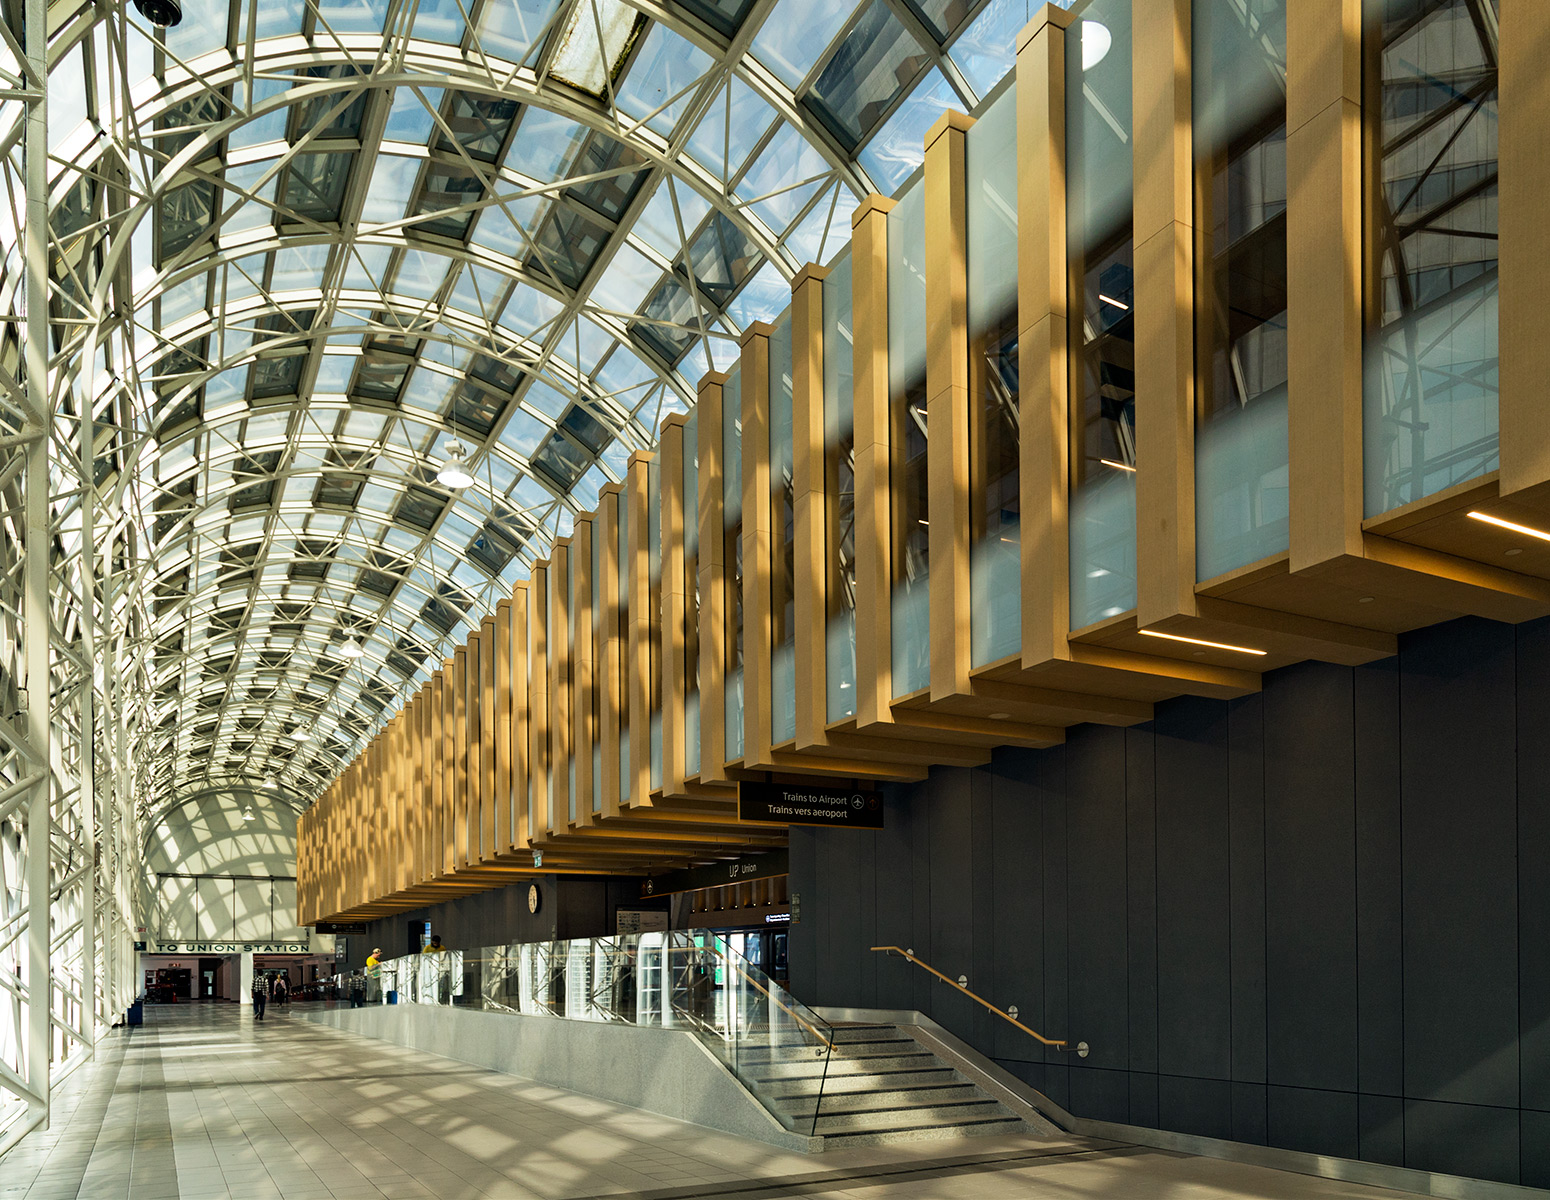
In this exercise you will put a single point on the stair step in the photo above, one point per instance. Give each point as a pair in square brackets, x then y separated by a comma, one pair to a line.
[967, 1112]
[842, 1050]
[802, 1068]
[931, 1096]
[846, 1085]
[912, 1133]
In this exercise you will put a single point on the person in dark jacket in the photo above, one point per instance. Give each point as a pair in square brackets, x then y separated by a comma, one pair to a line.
[260, 996]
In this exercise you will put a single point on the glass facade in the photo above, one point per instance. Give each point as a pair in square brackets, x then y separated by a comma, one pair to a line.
[1430, 391]
[839, 465]
[1100, 196]
[911, 518]
[995, 512]
[783, 623]
[732, 552]
[1241, 471]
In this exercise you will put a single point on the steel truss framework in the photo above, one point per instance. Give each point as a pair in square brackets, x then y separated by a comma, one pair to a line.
[257, 269]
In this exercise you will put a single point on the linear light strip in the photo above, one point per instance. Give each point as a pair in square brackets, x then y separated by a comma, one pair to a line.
[1174, 637]
[1512, 525]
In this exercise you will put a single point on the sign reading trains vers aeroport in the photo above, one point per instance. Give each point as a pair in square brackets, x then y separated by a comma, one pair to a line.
[809, 804]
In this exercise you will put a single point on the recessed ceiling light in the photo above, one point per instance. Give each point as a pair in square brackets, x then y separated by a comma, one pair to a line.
[999, 716]
[1512, 525]
[1364, 599]
[1514, 550]
[1174, 637]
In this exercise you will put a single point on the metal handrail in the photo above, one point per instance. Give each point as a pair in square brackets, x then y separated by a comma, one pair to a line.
[902, 953]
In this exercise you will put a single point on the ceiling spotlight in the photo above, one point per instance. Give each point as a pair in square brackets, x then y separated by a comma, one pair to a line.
[1096, 40]
[454, 472]
[352, 648]
[161, 13]
[248, 814]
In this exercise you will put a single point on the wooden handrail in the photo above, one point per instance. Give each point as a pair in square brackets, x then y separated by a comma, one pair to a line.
[902, 953]
[795, 1016]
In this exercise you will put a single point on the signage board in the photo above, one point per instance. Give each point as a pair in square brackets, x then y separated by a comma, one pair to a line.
[227, 947]
[740, 870]
[339, 927]
[809, 804]
[639, 920]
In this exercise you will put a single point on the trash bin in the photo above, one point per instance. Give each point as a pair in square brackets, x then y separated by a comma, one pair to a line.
[392, 996]
[136, 1014]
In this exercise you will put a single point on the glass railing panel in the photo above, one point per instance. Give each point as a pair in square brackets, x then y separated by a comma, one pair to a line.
[839, 453]
[908, 489]
[995, 511]
[1241, 473]
[1100, 245]
[692, 980]
[1430, 394]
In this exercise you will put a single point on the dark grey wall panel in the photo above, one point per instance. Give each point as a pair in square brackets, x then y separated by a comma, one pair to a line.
[1457, 750]
[1310, 863]
[1380, 972]
[1141, 899]
[1317, 917]
[1463, 1139]
[1314, 1120]
[1246, 770]
[1534, 868]
[1194, 982]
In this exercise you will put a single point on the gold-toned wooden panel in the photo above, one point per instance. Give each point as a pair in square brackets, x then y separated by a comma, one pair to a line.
[560, 720]
[810, 500]
[583, 698]
[712, 569]
[670, 649]
[611, 647]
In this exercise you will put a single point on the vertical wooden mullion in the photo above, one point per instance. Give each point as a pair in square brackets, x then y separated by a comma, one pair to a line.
[500, 734]
[810, 501]
[459, 750]
[521, 713]
[674, 603]
[874, 519]
[559, 685]
[712, 569]
[947, 403]
[489, 723]
[583, 666]
[1324, 279]
[538, 763]
[1044, 383]
[609, 648]
[1164, 312]
[758, 541]
[636, 790]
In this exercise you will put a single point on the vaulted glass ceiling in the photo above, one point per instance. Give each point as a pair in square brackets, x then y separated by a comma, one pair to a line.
[304, 243]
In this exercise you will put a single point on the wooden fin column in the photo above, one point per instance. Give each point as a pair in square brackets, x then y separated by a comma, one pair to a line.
[670, 647]
[810, 500]
[612, 643]
[712, 569]
[583, 695]
[754, 371]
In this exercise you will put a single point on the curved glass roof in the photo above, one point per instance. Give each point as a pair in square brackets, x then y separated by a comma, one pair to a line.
[307, 242]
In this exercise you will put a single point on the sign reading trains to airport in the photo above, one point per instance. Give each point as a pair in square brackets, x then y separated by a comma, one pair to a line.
[809, 804]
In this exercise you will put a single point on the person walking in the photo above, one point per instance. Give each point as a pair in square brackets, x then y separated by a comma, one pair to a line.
[374, 976]
[282, 991]
[260, 996]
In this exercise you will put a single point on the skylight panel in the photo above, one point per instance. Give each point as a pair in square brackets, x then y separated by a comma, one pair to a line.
[268, 128]
[420, 274]
[764, 298]
[366, 264]
[410, 118]
[299, 268]
[783, 178]
[877, 60]
[594, 44]
[545, 143]
[546, 399]
[314, 186]
[987, 49]
[730, 129]
[661, 81]
[899, 146]
[626, 281]
[529, 310]
[244, 214]
[825, 231]
[509, 28]
[522, 433]
[349, 16]
[797, 33]
[439, 21]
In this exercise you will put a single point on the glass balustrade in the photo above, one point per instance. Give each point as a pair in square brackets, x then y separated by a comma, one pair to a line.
[690, 980]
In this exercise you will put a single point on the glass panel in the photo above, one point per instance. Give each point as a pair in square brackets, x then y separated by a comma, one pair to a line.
[1100, 246]
[839, 456]
[995, 513]
[1241, 510]
[732, 555]
[907, 428]
[1430, 394]
[782, 540]
[691, 664]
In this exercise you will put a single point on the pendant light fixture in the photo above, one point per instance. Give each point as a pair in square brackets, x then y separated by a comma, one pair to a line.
[454, 472]
[352, 648]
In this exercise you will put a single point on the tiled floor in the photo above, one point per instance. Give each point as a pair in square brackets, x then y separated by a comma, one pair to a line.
[202, 1102]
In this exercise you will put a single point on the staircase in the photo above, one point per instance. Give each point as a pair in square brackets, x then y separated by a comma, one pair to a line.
[881, 1085]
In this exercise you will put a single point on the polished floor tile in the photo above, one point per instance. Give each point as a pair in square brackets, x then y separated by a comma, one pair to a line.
[204, 1103]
